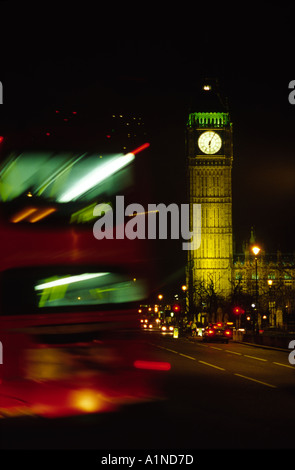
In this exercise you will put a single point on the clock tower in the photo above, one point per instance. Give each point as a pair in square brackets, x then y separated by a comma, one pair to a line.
[209, 154]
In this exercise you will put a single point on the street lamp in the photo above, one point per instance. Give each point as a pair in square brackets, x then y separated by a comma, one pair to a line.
[256, 251]
[184, 290]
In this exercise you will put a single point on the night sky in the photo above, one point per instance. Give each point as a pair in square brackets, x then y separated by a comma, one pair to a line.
[96, 66]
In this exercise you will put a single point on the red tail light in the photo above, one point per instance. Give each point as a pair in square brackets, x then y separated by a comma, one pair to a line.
[151, 365]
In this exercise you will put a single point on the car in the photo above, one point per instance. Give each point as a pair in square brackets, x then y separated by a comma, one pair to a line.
[144, 323]
[217, 332]
[167, 329]
[150, 325]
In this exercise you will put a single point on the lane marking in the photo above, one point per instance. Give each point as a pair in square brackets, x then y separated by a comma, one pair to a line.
[175, 352]
[233, 352]
[211, 365]
[189, 357]
[214, 347]
[283, 365]
[257, 381]
[166, 349]
[161, 347]
[221, 368]
[257, 358]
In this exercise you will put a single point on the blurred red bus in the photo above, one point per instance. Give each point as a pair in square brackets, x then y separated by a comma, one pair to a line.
[68, 306]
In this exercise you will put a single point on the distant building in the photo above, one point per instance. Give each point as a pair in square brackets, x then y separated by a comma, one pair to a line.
[215, 274]
[275, 284]
[209, 153]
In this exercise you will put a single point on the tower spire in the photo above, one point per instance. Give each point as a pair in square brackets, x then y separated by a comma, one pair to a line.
[209, 158]
[252, 236]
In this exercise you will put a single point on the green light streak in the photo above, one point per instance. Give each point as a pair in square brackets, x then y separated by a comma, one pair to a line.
[96, 176]
[69, 280]
[83, 215]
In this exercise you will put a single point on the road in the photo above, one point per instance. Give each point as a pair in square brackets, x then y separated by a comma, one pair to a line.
[215, 396]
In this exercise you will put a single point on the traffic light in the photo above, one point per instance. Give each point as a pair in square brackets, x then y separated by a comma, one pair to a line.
[176, 308]
[238, 310]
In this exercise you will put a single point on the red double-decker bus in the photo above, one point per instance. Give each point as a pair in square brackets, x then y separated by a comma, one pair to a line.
[68, 302]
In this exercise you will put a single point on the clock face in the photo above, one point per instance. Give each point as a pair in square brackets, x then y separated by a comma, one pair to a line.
[210, 142]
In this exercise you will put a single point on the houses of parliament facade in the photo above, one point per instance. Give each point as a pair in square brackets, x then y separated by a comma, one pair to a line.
[214, 270]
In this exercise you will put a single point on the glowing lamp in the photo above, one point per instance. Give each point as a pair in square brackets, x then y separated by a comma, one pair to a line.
[256, 250]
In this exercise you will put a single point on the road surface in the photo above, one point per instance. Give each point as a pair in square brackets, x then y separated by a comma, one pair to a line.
[215, 396]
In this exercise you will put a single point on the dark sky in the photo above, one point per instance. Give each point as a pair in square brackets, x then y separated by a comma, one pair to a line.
[87, 61]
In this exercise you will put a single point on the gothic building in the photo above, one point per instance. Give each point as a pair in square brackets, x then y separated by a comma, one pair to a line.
[209, 153]
[268, 281]
[213, 266]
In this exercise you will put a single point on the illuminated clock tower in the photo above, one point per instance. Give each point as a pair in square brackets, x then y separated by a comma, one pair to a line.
[209, 153]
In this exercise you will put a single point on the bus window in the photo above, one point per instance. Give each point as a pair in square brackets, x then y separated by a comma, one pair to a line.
[38, 289]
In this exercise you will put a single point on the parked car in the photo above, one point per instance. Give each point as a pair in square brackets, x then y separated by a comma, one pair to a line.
[217, 332]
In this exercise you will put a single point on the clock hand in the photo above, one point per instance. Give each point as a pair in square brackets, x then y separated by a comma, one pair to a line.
[209, 143]
[211, 139]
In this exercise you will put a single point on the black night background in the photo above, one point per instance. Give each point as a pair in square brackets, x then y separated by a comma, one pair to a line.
[67, 71]
[73, 66]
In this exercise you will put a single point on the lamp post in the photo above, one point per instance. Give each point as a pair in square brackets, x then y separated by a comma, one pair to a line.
[271, 303]
[256, 251]
[160, 312]
[184, 290]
